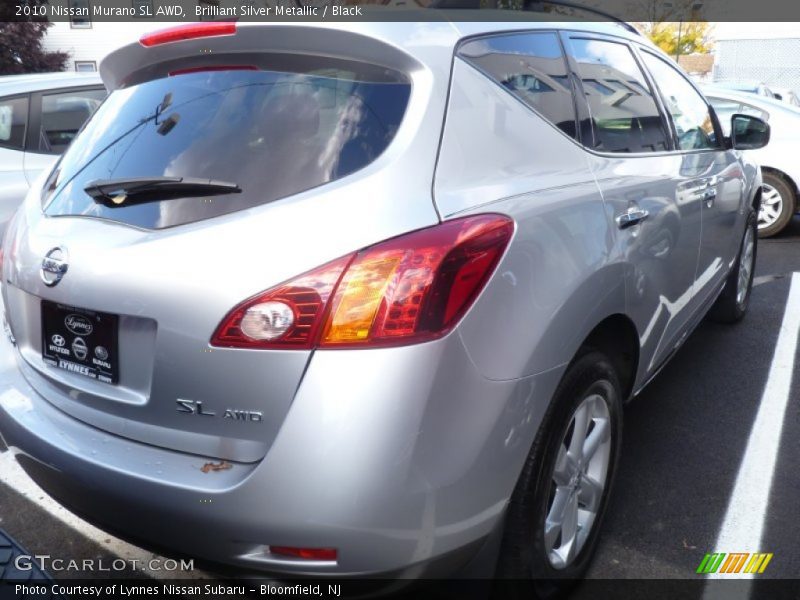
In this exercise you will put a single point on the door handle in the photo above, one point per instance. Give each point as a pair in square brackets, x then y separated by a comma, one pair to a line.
[631, 217]
[709, 196]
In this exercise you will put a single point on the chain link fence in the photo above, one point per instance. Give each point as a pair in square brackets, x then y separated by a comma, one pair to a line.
[773, 62]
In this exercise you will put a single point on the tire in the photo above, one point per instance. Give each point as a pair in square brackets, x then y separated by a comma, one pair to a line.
[525, 553]
[731, 306]
[778, 205]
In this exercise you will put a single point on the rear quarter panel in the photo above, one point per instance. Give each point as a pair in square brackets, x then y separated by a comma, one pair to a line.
[559, 278]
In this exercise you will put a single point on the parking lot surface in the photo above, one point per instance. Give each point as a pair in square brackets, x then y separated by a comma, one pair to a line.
[693, 436]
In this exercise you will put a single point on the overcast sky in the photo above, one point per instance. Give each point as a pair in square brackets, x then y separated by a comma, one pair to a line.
[726, 31]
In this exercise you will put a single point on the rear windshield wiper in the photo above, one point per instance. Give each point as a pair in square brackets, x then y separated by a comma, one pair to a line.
[119, 192]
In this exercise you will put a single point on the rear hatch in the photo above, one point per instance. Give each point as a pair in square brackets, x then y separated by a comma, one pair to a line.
[197, 184]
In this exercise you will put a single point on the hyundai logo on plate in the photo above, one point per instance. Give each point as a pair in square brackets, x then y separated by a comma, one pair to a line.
[54, 266]
[78, 324]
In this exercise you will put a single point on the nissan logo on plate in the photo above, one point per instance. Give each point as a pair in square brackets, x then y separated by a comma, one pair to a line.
[79, 348]
[54, 266]
[78, 324]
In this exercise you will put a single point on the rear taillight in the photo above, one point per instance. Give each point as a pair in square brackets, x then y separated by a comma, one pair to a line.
[288, 316]
[189, 31]
[409, 289]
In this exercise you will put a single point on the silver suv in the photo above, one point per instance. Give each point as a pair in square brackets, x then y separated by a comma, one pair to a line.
[39, 116]
[369, 299]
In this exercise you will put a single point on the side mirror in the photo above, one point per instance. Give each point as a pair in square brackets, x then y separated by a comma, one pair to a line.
[748, 133]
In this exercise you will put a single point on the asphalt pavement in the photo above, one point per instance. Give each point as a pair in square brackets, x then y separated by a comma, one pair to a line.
[685, 440]
[685, 437]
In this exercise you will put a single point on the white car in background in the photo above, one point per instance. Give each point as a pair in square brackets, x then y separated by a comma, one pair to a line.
[779, 159]
[39, 116]
[758, 88]
[787, 95]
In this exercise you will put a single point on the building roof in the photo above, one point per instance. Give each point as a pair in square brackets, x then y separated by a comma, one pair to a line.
[696, 63]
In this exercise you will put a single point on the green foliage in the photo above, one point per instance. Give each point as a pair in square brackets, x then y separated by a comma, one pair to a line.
[679, 38]
[21, 48]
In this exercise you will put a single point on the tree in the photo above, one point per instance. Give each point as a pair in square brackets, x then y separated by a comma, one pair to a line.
[675, 26]
[21, 49]
[678, 38]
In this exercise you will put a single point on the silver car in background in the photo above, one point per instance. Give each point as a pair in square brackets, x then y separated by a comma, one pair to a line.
[39, 116]
[778, 160]
[368, 299]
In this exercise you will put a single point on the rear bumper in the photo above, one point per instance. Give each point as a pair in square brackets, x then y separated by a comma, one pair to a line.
[398, 458]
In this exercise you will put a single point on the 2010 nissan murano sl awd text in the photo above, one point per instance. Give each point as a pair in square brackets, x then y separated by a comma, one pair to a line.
[379, 292]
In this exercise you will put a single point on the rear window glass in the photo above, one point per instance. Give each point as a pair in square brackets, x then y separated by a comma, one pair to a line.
[272, 132]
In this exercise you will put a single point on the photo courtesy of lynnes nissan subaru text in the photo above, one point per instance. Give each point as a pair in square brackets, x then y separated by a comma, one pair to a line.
[379, 292]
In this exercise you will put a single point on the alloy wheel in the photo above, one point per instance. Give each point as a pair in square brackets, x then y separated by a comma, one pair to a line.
[579, 479]
[771, 206]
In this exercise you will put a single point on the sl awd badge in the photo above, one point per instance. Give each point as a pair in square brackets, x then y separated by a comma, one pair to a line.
[195, 407]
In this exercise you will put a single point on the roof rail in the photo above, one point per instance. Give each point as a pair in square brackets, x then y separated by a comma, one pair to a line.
[533, 5]
[530, 4]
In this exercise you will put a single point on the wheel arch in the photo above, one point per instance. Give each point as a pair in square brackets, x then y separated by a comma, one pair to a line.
[616, 337]
[756, 202]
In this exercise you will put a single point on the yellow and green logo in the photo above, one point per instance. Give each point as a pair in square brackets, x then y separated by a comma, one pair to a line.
[734, 562]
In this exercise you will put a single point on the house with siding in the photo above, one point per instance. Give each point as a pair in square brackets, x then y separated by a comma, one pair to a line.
[87, 42]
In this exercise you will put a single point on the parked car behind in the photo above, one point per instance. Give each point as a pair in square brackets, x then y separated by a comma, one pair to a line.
[759, 88]
[778, 160]
[368, 298]
[787, 95]
[39, 116]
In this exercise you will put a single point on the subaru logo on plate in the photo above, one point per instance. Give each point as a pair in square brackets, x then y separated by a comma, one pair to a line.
[78, 324]
[54, 266]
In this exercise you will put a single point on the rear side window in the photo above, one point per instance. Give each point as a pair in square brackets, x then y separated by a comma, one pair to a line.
[63, 115]
[625, 117]
[13, 122]
[272, 131]
[686, 107]
[532, 67]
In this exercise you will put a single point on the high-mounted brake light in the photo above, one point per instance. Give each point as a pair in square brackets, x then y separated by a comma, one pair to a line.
[327, 554]
[212, 68]
[409, 289]
[190, 31]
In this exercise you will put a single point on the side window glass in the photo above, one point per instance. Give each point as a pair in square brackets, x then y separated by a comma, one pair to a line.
[63, 115]
[13, 122]
[532, 67]
[726, 108]
[625, 117]
[686, 106]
